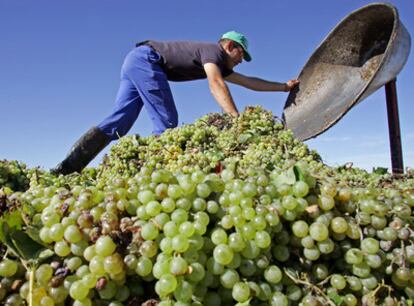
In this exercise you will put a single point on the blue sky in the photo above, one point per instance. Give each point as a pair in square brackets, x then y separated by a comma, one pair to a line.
[60, 63]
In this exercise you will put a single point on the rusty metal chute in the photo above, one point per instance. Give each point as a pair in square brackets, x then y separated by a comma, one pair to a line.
[366, 50]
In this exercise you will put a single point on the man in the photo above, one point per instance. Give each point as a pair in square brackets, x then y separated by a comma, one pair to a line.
[144, 82]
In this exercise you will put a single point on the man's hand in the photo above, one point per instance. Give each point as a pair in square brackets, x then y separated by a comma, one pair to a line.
[291, 84]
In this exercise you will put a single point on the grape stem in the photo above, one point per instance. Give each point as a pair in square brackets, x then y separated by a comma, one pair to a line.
[361, 234]
[372, 295]
[31, 283]
[310, 285]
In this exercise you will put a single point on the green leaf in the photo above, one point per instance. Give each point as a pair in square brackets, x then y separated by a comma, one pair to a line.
[380, 170]
[299, 173]
[12, 220]
[243, 138]
[27, 248]
[33, 233]
[335, 297]
[287, 177]
[5, 237]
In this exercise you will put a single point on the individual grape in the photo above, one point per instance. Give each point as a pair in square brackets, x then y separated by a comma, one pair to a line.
[180, 243]
[143, 266]
[326, 202]
[339, 225]
[327, 246]
[300, 189]
[311, 253]
[241, 292]
[227, 222]
[350, 300]
[229, 278]
[89, 280]
[289, 202]
[262, 239]
[113, 264]
[318, 231]
[56, 232]
[167, 283]
[178, 266]
[273, 274]
[293, 293]
[300, 229]
[199, 204]
[96, 265]
[47, 301]
[354, 256]
[320, 271]
[370, 282]
[72, 234]
[219, 236]
[307, 242]
[78, 291]
[212, 207]
[361, 270]
[338, 281]
[223, 254]
[104, 246]
[44, 273]
[374, 261]
[62, 248]
[179, 216]
[153, 208]
[370, 245]
[8, 268]
[183, 292]
[149, 231]
[146, 196]
[279, 299]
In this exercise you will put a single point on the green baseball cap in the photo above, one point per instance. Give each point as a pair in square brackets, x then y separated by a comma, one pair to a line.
[241, 40]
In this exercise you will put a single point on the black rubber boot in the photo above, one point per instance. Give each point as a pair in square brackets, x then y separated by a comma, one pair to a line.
[82, 152]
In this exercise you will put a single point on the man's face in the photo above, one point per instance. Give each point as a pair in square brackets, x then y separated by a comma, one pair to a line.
[235, 53]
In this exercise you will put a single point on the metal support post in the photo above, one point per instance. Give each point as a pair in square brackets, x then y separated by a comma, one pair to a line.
[394, 127]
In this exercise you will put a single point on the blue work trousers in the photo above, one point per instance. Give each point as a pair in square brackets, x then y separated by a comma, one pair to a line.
[143, 82]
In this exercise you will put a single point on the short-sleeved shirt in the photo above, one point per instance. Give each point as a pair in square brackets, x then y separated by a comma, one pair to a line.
[184, 60]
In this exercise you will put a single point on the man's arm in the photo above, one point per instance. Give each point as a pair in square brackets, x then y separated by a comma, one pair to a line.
[219, 89]
[257, 84]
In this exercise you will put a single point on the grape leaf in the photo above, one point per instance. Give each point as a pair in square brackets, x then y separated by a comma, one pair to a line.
[5, 237]
[335, 297]
[287, 177]
[243, 138]
[33, 233]
[380, 170]
[11, 219]
[27, 248]
[299, 174]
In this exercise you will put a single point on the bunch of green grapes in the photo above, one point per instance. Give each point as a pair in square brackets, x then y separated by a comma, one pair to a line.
[272, 237]
[225, 211]
[13, 175]
[253, 137]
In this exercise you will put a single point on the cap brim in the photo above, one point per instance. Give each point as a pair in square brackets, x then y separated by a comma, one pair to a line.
[246, 56]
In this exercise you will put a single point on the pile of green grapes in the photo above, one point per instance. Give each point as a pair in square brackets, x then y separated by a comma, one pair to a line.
[13, 175]
[225, 211]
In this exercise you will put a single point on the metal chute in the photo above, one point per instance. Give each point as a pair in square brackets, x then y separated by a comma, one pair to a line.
[365, 51]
